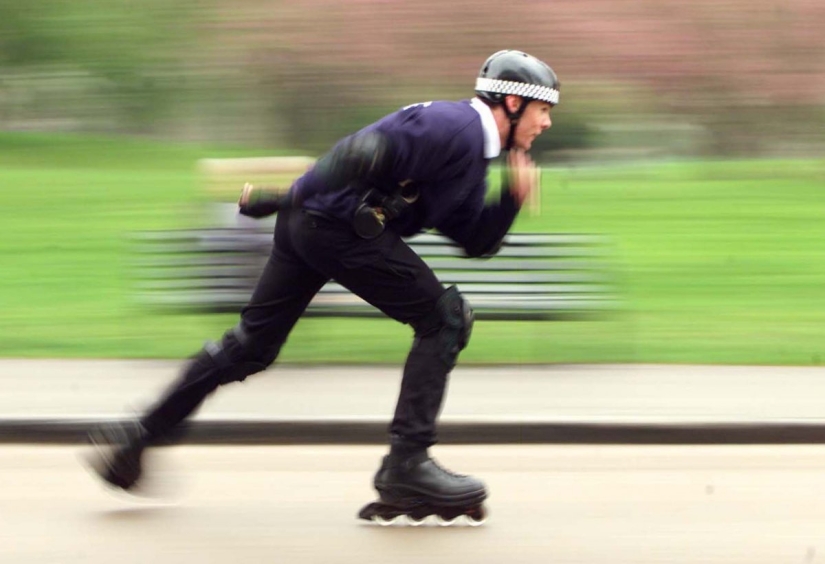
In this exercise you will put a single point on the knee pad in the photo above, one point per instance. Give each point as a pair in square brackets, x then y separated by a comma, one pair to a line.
[455, 318]
[236, 356]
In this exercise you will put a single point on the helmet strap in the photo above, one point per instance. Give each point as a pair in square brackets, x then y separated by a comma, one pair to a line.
[514, 118]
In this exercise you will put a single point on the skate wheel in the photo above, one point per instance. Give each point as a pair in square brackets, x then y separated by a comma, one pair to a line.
[416, 522]
[442, 522]
[476, 517]
[475, 522]
[382, 521]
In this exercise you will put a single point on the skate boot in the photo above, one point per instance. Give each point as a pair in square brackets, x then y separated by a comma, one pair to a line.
[117, 452]
[414, 487]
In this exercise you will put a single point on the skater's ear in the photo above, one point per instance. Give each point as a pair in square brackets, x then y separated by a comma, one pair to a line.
[513, 103]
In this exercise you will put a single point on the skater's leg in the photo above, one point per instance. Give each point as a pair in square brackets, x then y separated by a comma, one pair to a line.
[283, 292]
[439, 337]
[389, 275]
[408, 476]
[230, 360]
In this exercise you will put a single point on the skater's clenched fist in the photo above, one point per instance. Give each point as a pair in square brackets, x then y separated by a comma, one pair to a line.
[260, 202]
[246, 194]
[523, 174]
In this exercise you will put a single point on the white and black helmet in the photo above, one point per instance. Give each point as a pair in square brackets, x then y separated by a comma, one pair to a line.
[517, 73]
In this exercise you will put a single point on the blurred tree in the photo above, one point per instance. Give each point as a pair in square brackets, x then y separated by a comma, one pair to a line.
[259, 69]
[30, 33]
[127, 51]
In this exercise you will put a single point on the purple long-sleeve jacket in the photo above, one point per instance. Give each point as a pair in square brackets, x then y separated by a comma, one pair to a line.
[439, 149]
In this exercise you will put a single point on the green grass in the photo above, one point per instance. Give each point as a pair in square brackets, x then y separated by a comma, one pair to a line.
[718, 262]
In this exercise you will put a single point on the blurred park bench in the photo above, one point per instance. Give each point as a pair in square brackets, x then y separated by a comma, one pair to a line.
[214, 269]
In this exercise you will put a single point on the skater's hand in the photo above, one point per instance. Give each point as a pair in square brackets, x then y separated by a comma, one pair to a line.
[246, 194]
[260, 202]
[524, 176]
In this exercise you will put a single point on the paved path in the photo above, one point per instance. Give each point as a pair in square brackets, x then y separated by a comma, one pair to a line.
[571, 504]
[530, 393]
[56, 401]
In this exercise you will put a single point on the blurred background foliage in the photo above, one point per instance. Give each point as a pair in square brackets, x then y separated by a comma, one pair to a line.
[690, 133]
[639, 77]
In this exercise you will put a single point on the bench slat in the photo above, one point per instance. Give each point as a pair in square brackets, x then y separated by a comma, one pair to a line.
[228, 245]
[155, 264]
[423, 239]
[243, 272]
[534, 276]
[469, 290]
[234, 299]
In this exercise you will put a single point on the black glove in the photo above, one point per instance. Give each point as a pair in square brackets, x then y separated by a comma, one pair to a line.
[262, 203]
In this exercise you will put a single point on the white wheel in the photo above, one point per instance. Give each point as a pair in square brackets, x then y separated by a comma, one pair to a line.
[442, 522]
[384, 522]
[473, 522]
[416, 522]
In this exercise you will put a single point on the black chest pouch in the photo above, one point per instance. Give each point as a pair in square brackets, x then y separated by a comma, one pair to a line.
[378, 207]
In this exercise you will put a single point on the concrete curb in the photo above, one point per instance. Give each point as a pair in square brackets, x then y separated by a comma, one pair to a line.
[69, 430]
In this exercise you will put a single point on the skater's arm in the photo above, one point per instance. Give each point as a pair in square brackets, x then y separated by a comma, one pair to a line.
[257, 202]
[479, 228]
[364, 158]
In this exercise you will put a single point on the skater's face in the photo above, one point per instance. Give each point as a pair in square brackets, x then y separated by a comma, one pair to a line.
[534, 121]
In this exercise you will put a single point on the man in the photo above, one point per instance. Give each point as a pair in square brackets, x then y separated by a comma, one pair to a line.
[422, 167]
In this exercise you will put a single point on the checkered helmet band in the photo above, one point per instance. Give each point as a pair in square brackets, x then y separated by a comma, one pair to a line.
[532, 91]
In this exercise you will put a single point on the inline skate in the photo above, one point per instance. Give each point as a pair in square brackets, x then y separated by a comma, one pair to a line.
[415, 487]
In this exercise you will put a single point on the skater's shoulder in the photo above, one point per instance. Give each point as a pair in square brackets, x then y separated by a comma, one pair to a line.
[440, 118]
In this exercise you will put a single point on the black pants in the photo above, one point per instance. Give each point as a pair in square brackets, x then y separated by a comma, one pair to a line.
[308, 250]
